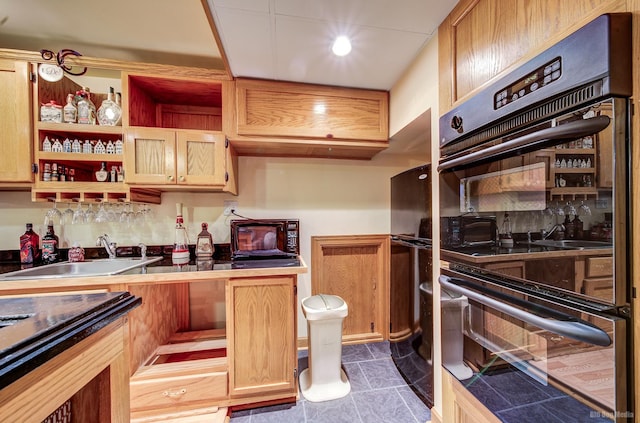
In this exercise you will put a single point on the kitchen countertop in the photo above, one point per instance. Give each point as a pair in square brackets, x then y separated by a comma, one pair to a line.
[34, 330]
[519, 252]
[161, 274]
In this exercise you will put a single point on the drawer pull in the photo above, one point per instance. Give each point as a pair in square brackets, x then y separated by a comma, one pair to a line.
[557, 338]
[173, 394]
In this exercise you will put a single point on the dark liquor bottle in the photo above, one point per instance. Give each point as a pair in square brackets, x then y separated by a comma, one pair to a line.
[29, 246]
[50, 246]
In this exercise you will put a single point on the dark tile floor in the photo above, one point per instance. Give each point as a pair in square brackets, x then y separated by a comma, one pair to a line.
[378, 394]
[516, 398]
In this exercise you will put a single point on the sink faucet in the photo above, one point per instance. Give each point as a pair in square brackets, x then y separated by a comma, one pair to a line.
[104, 241]
[556, 227]
[143, 251]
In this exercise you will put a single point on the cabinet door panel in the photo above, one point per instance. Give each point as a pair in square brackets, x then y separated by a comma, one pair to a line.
[150, 156]
[201, 158]
[297, 110]
[15, 121]
[355, 268]
[261, 335]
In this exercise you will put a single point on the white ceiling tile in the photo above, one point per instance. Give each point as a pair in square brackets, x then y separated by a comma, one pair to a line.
[251, 5]
[247, 39]
[377, 60]
[406, 15]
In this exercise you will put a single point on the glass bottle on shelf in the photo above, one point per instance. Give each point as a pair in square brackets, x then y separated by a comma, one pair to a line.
[180, 253]
[50, 246]
[109, 112]
[102, 175]
[70, 111]
[86, 108]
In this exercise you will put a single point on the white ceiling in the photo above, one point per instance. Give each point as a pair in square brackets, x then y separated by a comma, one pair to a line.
[291, 39]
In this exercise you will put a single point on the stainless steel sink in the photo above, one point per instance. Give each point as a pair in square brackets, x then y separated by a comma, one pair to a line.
[572, 244]
[99, 267]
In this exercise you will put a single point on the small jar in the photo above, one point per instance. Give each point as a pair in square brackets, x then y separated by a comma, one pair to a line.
[76, 253]
[51, 112]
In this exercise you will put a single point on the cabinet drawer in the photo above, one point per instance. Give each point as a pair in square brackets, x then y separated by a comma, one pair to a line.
[599, 266]
[174, 384]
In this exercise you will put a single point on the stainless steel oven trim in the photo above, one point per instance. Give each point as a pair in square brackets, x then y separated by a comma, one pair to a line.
[571, 130]
[572, 327]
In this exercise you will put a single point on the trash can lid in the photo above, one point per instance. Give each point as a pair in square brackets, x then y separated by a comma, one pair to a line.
[324, 306]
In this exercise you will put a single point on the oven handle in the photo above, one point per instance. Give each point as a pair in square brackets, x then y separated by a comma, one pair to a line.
[571, 130]
[573, 328]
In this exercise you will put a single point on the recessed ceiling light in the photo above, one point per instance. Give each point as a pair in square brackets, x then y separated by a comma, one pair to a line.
[341, 46]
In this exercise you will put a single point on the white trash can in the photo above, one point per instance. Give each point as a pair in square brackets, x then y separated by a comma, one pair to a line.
[324, 379]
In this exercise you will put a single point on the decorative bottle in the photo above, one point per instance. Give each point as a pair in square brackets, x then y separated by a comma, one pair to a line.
[86, 108]
[180, 253]
[70, 111]
[50, 246]
[102, 175]
[204, 246]
[29, 246]
[109, 112]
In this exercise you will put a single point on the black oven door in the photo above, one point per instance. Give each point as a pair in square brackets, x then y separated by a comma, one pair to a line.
[559, 187]
[528, 357]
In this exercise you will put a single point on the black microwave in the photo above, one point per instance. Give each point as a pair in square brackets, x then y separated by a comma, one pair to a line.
[259, 237]
[468, 231]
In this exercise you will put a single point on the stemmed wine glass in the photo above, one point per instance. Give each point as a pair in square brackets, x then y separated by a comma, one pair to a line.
[89, 214]
[569, 209]
[584, 210]
[78, 215]
[101, 216]
[53, 214]
[67, 215]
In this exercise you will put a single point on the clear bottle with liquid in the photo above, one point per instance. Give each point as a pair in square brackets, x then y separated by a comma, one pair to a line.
[86, 108]
[109, 113]
[180, 253]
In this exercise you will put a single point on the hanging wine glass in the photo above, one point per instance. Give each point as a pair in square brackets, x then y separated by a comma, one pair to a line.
[584, 210]
[53, 215]
[569, 209]
[67, 215]
[559, 211]
[101, 216]
[89, 214]
[78, 215]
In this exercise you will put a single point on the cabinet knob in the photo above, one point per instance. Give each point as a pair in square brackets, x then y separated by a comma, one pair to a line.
[181, 178]
[170, 177]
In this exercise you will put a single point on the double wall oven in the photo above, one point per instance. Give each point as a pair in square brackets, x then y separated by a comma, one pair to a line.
[538, 314]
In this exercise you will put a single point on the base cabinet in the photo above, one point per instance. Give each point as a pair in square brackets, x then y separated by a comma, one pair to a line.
[355, 268]
[261, 336]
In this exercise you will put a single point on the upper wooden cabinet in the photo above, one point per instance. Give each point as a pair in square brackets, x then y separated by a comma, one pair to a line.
[15, 121]
[175, 132]
[482, 38]
[165, 158]
[292, 119]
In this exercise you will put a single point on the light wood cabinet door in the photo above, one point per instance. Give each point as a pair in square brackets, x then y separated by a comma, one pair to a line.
[261, 335]
[156, 156]
[480, 39]
[150, 156]
[200, 158]
[285, 109]
[15, 121]
[355, 268]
